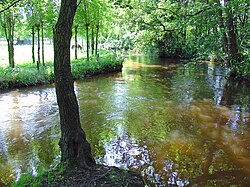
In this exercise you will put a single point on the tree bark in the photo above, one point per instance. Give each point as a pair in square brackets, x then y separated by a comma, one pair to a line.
[222, 28]
[75, 149]
[33, 44]
[96, 40]
[8, 26]
[76, 43]
[87, 38]
[42, 43]
[232, 38]
[92, 40]
[38, 44]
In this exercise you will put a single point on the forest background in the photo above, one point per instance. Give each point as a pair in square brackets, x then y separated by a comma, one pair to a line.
[216, 30]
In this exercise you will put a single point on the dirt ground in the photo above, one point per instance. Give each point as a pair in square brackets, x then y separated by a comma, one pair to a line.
[101, 176]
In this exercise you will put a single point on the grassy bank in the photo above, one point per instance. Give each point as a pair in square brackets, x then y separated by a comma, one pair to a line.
[28, 74]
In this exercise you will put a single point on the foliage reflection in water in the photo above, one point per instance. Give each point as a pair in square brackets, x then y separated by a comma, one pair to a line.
[28, 132]
[176, 125]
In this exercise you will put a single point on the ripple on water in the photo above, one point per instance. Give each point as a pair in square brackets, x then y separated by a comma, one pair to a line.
[172, 125]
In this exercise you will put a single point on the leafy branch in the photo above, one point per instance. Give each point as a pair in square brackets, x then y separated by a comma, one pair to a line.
[9, 6]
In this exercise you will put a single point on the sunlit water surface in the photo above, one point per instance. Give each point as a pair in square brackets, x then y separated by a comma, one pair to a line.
[175, 125]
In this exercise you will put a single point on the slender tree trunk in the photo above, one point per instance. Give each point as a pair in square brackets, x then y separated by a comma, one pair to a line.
[92, 41]
[75, 149]
[87, 38]
[232, 38]
[76, 42]
[12, 42]
[184, 35]
[97, 33]
[96, 41]
[11, 53]
[42, 44]
[222, 28]
[38, 44]
[33, 44]
[9, 34]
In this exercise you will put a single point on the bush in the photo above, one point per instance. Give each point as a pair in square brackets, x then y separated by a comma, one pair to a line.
[240, 68]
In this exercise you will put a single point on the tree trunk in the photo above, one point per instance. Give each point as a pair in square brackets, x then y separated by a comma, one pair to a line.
[38, 44]
[75, 149]
[92, 41]
[42, 44]
[87, 38]
[232, 38]
[9, 34]
[222, 28]
[76, 43]
[33, 44]
[96, 41]
[12, 26]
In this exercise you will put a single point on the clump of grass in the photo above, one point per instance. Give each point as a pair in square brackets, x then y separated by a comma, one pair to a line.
[105, 64]
[29, 180]
[28, 75]
[25, 75]
[43, 176]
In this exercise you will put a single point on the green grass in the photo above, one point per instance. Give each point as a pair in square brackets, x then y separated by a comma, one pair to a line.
[27, 74]
[43, 176]
[29, 180]
[108, 63]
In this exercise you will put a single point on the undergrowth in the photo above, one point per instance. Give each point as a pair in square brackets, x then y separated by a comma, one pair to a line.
[240, 70]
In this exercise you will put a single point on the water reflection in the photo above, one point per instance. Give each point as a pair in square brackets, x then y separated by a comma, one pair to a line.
[26, 123]
[175, 125]
[217, 80]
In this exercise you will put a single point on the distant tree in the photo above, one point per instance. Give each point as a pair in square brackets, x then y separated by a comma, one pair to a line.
[9, 16]
[86, 19]
[76, 41]
[94, 19]
[40, 19]
[188, 28]
[8, 23]
[33, 15]
[75, 149]
[232, 36]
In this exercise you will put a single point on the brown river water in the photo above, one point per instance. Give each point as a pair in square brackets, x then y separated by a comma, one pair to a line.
[176, 125]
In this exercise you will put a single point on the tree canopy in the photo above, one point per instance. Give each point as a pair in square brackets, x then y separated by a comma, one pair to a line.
[166, 27]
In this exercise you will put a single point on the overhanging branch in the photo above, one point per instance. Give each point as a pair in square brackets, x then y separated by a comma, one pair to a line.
[195, 14]
[9, 6]
[199, 12]
[79, 3]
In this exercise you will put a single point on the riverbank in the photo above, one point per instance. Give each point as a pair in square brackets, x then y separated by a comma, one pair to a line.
[28, 74]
